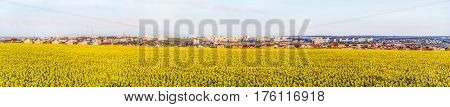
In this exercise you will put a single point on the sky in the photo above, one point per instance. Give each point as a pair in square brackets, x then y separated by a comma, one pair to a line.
[120, 17]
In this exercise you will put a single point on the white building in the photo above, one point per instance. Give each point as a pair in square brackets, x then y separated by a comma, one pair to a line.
[56, 42]
[281, 39]
[365, 39]
[71, 42]
[84, 42]
[234, 39]
[320, 40]
[196, 42]
[348, 40]
[28, 41]
[38, 41]
[96, 42]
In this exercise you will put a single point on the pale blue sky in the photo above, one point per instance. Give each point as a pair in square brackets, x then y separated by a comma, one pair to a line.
[18, 20]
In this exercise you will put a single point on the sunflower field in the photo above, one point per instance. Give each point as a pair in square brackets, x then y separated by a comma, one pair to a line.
[46, 65]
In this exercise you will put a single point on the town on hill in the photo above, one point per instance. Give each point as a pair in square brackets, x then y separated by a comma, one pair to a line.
[338, 42]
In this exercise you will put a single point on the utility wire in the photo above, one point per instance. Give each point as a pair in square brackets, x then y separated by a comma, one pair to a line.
[379, 14]
[68, 13]
[302, 30]
[74, 14]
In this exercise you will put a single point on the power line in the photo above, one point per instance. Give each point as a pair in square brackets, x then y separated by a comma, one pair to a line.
[379, 14]
[68, 13]
[73, 14]
[302, 30]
